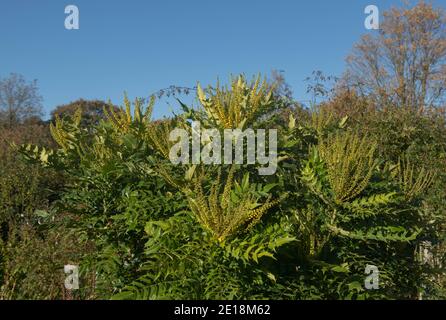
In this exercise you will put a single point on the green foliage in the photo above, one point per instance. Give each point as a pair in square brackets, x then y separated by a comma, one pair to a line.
[31, 252]
[144, 228]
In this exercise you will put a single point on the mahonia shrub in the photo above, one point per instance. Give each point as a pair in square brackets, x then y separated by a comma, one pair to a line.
[335, 205]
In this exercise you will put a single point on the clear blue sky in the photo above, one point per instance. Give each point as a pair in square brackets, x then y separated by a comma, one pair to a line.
[142, 46]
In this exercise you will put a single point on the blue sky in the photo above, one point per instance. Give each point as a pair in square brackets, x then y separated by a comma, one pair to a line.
[142, 46]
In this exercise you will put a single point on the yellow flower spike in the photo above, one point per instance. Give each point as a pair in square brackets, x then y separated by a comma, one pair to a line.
[350, 163]
[228, 105]
[220, 214]
[201, 94]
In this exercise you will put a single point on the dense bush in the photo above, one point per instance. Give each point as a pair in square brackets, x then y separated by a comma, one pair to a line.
[33, 249]
[350, 190]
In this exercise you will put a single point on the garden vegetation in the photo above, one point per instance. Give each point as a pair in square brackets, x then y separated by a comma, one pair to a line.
[360, 181]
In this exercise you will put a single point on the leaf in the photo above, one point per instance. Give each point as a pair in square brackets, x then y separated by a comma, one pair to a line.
[241, 124]
[355, 286]
[343, 122]
[343, 268]
[44, 156]
[271, 276]
[245, 182]
[269, 186]
[189, 173]
[41, 213]
[125, 295]
[291, 122]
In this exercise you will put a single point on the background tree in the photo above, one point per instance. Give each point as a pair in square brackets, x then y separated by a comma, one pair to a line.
[19, 100]
[404, 64]
[92, 111]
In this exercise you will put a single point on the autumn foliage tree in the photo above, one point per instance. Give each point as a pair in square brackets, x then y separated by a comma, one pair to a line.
[403, 64]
